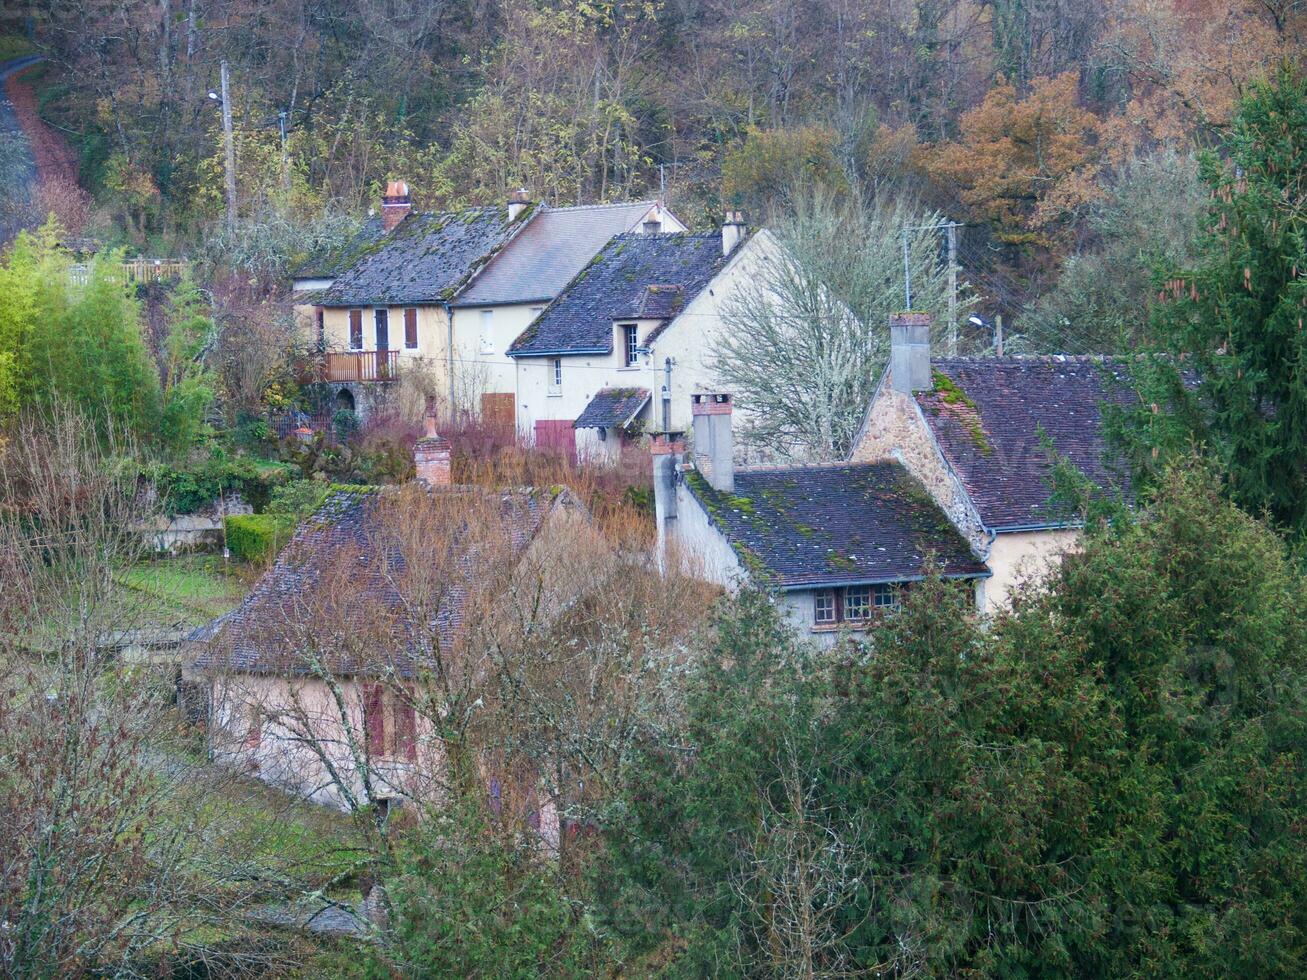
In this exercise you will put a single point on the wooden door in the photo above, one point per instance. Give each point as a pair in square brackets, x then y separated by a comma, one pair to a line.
[499, 411]
[557, 435]
[382, 320]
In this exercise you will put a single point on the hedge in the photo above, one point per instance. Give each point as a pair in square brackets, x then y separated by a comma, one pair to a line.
[185, 490]
[258, 537]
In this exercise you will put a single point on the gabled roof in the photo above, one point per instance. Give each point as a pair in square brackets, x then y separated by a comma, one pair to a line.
[330, 262]
[990, 417]
[810, 526]
[553, 247]
[426, 259]
[616, 285]
[612, 408]
[262, 635]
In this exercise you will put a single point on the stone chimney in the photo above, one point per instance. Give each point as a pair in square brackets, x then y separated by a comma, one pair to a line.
[395, 204]
[909, 352]
[431, 453]
[733, 231]
[714, 450]
[517, 202]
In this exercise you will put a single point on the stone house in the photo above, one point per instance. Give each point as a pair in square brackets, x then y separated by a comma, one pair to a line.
[981, 435]
[314, 682]
[839, 543]
[448, 291]
[625, 344]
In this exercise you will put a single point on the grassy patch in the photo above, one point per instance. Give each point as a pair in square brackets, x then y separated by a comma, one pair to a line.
[189, 590]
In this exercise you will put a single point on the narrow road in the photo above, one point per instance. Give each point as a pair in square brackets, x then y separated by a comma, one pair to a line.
[17, 165]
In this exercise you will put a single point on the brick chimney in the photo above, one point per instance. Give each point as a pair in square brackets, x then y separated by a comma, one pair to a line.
[733, 231]
[517, 202]
[909, 351]
[714, 450]
[395, 204]
[431, 452]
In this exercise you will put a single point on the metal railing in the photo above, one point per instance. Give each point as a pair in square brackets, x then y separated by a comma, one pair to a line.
[361, 365]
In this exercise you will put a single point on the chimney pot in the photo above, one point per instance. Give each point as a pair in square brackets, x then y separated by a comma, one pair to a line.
[910, 352]
[395, 204]
[714, 448]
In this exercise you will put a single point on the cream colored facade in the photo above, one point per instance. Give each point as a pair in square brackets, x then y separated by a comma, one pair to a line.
[550, 391]
[895, 428]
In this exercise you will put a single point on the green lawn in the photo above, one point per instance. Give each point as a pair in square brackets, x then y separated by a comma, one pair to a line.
[184, 591]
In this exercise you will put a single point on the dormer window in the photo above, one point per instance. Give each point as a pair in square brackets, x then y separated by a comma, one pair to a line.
[630, 347]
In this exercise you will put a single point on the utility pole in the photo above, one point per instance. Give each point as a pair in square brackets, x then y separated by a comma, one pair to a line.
[907, 274]
[998, 335]
[231, 150]
[952, 229]
[285, 160]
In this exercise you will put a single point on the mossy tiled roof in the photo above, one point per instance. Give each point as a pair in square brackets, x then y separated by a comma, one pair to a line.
[426, 259]
[810, 526]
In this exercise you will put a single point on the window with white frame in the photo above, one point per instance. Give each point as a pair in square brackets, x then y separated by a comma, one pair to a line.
[886, 598]
[857, 602]
[487, 336]
[629, 344]
[823, 607]
[555, 376]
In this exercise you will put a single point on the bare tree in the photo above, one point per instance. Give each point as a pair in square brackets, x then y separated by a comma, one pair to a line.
[808, 336]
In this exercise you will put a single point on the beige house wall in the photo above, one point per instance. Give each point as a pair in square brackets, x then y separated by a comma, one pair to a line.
[1024, 557]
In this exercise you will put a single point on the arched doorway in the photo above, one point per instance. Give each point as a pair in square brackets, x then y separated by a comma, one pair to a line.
[345, 400]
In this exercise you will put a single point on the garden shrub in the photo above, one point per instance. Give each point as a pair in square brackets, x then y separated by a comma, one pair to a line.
[257, 537]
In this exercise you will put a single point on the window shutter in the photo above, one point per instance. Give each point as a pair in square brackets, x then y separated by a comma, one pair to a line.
[406, 729]
[374, 718]
[356, 329]
[410, 328]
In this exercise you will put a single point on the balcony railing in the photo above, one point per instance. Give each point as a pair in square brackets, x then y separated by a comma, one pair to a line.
[362, 365]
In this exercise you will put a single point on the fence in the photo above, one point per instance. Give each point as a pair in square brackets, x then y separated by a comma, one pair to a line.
[136, 270]
[364, 365]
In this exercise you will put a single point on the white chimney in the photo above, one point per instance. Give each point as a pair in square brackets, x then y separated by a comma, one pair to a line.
[909, 351]
[714, 449]
[517, 202]
[733, 230]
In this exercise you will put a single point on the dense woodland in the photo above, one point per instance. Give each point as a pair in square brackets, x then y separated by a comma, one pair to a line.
[1062, 133]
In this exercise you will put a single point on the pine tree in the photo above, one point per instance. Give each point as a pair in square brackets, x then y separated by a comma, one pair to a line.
[1238, 316]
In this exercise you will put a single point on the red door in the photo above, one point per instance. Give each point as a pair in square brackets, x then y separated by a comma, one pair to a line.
[558, 435]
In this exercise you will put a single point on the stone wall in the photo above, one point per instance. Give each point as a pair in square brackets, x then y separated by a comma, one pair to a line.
[895, 429]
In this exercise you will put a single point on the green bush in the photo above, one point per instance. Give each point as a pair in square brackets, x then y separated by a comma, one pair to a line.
[298, 498]
[187, 489]
[257, 537]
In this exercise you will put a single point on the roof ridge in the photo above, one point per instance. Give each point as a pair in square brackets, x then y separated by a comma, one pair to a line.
[549, 208]
[1036, 358]
[834, 464]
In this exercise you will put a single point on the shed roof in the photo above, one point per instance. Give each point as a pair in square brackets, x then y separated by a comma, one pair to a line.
[612, 408]
[810, 526]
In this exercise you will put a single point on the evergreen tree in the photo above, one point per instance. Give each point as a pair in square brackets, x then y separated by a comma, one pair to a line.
[1237, 316]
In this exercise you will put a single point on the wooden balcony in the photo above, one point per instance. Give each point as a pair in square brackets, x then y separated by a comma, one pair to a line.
[361, 365]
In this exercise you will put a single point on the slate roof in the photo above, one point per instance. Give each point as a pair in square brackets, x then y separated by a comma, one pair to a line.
[548, 253]
[988, 421]
[263, 634]
[612, 408]
[810, 526]
[616, 285]
[327, 263]
[426, 259]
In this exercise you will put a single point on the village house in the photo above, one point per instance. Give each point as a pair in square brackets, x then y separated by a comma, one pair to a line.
[320, 681]
[448, 292]
[981, 435]
[839, 544]
[622, 348]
